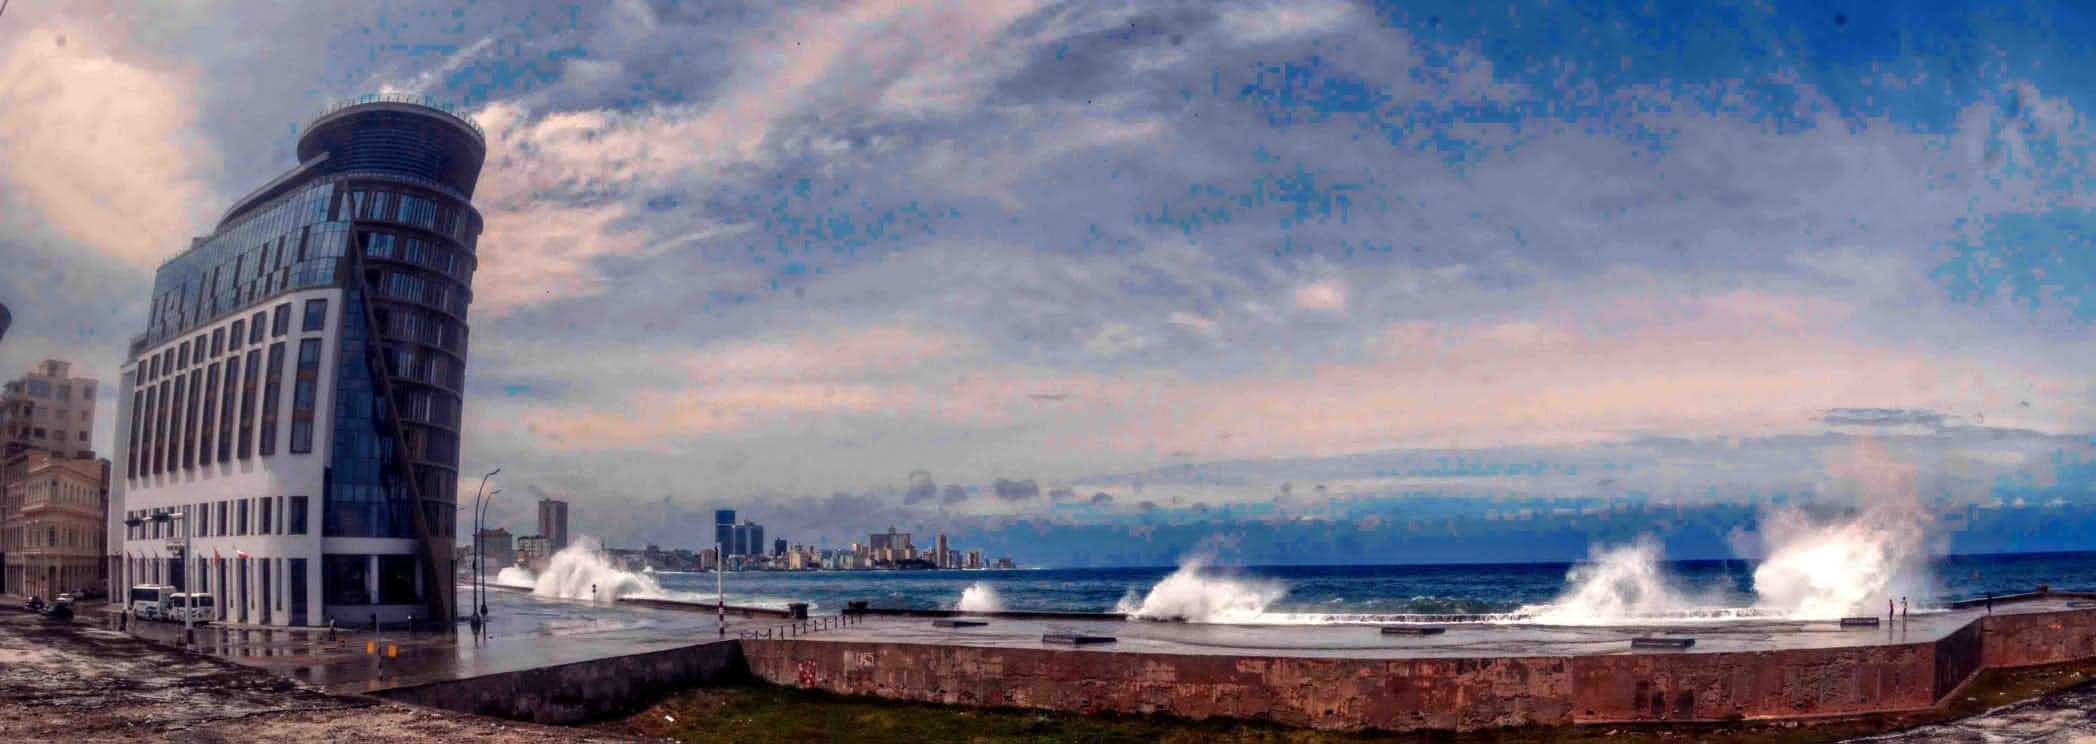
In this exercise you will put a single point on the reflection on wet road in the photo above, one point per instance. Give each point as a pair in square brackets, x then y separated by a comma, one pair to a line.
[523, 632]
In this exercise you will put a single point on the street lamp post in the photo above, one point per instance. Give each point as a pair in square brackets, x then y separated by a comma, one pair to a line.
[720, 568]
[165, 516]
[480, 566]
[483, 562]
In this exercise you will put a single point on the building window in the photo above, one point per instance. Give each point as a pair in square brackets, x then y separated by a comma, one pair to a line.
[248, 412]
[295, 517]
[210, 423]
[222, 526]
[396, 579]
[233, 342]
[301, 436]
[226, 408]
[177, 407]
[316, 315]
[280, 324]
[189, 418]
[266, 521]
[240, 512]
[218, 342]
[343, 579]
[271, 391]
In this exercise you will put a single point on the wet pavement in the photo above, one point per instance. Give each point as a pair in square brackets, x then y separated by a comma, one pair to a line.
[1458, 640]
[523, 632]
[79, 682]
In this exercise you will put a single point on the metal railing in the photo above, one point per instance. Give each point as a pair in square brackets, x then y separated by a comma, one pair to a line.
[800, 628]
[415, 100]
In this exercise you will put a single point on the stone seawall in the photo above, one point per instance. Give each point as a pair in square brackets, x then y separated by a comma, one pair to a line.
[581, 691]
[1313, 692]
[1419, 694]
[2039, 638]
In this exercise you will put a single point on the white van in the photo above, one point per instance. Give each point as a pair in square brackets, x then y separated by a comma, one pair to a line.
[197, 606]
[150, 601]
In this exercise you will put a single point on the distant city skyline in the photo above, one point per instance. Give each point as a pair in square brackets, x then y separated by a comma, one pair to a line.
[1090, 282]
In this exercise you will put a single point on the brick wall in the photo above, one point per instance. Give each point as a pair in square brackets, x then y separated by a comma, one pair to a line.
[1415, 694]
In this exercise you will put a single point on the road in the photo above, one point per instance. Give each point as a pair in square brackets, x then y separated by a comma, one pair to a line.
[83, 683]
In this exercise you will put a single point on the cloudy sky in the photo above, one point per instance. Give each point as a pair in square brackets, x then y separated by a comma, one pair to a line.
[978, 264]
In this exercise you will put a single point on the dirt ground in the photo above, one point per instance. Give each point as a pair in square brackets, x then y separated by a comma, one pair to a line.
[80, 683]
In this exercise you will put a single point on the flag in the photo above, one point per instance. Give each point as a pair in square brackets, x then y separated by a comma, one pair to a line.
[242, 554]
[215, 556]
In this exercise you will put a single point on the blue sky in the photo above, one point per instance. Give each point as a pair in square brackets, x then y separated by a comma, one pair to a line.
[1199, 258]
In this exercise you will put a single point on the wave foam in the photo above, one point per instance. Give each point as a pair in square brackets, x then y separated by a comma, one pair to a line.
[584, 571]
[1190, 595]
[980, 597]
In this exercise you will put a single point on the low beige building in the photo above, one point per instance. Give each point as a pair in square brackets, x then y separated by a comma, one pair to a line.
[52, 516]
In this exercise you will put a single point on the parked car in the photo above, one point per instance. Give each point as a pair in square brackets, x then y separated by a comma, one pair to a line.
[198, 607]
[61, 609]
[35, 604]
[149, 601]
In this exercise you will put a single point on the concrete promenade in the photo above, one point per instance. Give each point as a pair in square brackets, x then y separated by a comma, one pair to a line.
[75, 682]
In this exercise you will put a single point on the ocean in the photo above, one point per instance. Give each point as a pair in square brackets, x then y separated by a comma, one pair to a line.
[1618, 586]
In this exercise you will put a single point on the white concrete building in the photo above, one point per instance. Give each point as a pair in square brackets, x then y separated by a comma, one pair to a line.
[296, 396]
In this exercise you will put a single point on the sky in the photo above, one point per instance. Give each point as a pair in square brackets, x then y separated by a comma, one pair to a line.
[1107, 282]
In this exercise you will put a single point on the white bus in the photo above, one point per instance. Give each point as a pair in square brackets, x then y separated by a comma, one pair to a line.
[150, 601]
[197, 606]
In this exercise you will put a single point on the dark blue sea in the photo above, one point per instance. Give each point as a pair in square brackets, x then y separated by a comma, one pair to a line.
[1244, 593]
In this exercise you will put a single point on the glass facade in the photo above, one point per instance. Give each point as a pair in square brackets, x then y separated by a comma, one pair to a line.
[286, 247]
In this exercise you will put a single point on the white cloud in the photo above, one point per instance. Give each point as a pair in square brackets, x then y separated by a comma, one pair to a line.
[560, 189]
[1326, 295]
[1193, 322]
[1271, 21]
[99, 150]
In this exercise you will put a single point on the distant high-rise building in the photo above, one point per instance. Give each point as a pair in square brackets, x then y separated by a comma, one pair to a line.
[297, 388]
[553, 523]
[49, 409]
[723, 528]
[533, 551]
[891, 547]
[778, 547]
[498, 550]
[746, 539]
[5, 320]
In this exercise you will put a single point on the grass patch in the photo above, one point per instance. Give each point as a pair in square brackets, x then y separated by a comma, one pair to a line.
[758, 712]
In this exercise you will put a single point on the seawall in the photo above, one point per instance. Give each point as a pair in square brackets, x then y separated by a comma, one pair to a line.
[1438, 693]
[581, 691]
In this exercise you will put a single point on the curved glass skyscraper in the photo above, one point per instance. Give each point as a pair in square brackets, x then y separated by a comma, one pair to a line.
[296, 395]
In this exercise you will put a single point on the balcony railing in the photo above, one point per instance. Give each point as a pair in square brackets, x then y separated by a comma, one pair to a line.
[423, 101]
